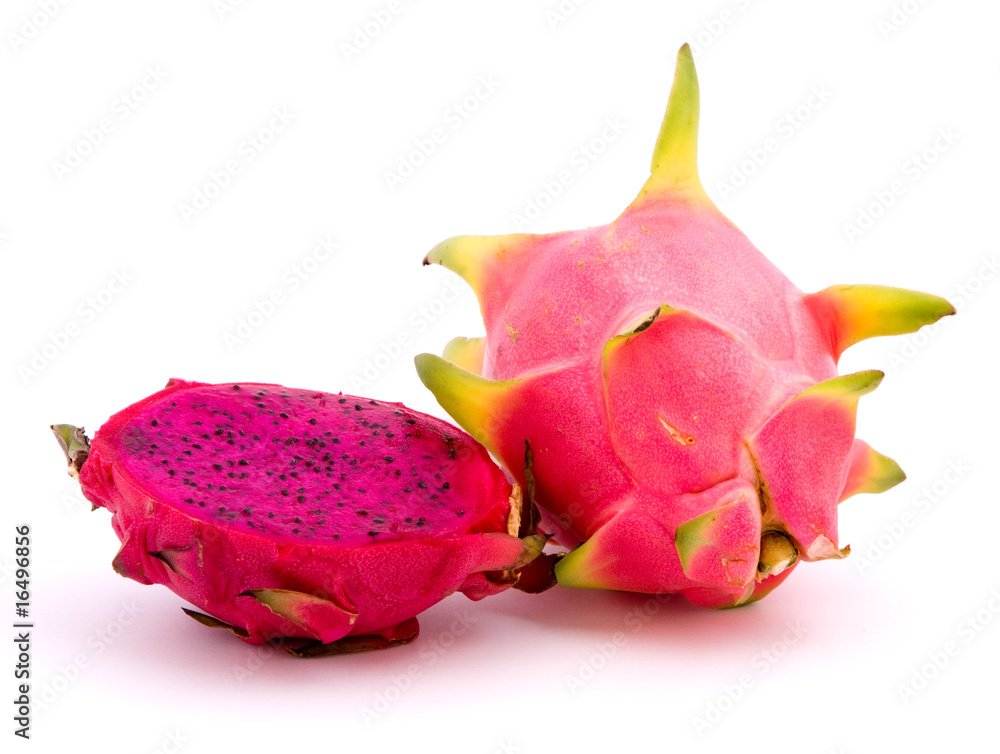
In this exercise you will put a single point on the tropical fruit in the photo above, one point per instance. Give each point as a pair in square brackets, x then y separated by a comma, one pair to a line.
[680, 395]
[328, 521]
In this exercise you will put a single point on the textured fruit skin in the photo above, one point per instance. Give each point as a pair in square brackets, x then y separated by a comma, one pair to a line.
[680, 394]
[304, 587]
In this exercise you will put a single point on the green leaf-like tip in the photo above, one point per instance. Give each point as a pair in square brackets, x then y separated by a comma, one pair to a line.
[74, 444]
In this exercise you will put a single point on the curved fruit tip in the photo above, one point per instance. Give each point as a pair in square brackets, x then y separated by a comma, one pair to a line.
[467, 353]
[675, 157]
[396, 636]
[846, 388]
[74, 444]
[472, 401]
[577, 568]
[324, 619]
[853, 313]
[208, 620]
[870, 472]
[777, 552]
[472, 257]
[824, 548]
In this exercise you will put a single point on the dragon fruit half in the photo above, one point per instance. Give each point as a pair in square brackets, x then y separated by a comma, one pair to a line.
[330, 521]
[681, 397]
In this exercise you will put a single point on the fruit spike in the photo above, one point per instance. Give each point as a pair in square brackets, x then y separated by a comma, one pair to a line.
[689, 428]
[328, 521]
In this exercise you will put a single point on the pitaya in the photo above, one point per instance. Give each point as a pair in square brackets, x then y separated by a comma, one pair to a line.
[681, 397]
[328, 520]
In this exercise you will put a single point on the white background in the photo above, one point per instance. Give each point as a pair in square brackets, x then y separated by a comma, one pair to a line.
[821, 665]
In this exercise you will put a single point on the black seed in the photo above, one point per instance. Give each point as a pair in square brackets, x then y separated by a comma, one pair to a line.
[282, 476]
[301, 498]
[312, 421]
[172, 472]
[236, 387]
[357, 406]
[283, 415]
[362, 512]
[446, 486]
[389, 459]
[222, 487]
[284, 493]
[372, 533]
[189, 500]
[218, 432]
[243, 463]
[154, 422]
[247, 511]
[298, 520]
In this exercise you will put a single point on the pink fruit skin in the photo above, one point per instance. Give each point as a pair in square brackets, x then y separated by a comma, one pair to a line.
[705, 407]
[364, 588]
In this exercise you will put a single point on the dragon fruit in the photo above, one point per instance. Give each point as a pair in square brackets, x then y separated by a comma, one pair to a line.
[681, 396]
[329, 521]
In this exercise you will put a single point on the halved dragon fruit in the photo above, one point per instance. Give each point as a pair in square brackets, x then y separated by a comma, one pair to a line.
[329, 521]
[689, 428]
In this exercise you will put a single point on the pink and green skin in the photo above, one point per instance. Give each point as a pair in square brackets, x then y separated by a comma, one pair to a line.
[689, 428]
[387, 511]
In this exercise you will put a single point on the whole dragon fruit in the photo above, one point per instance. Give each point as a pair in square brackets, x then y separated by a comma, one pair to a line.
[690, 431]
[328, 520]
